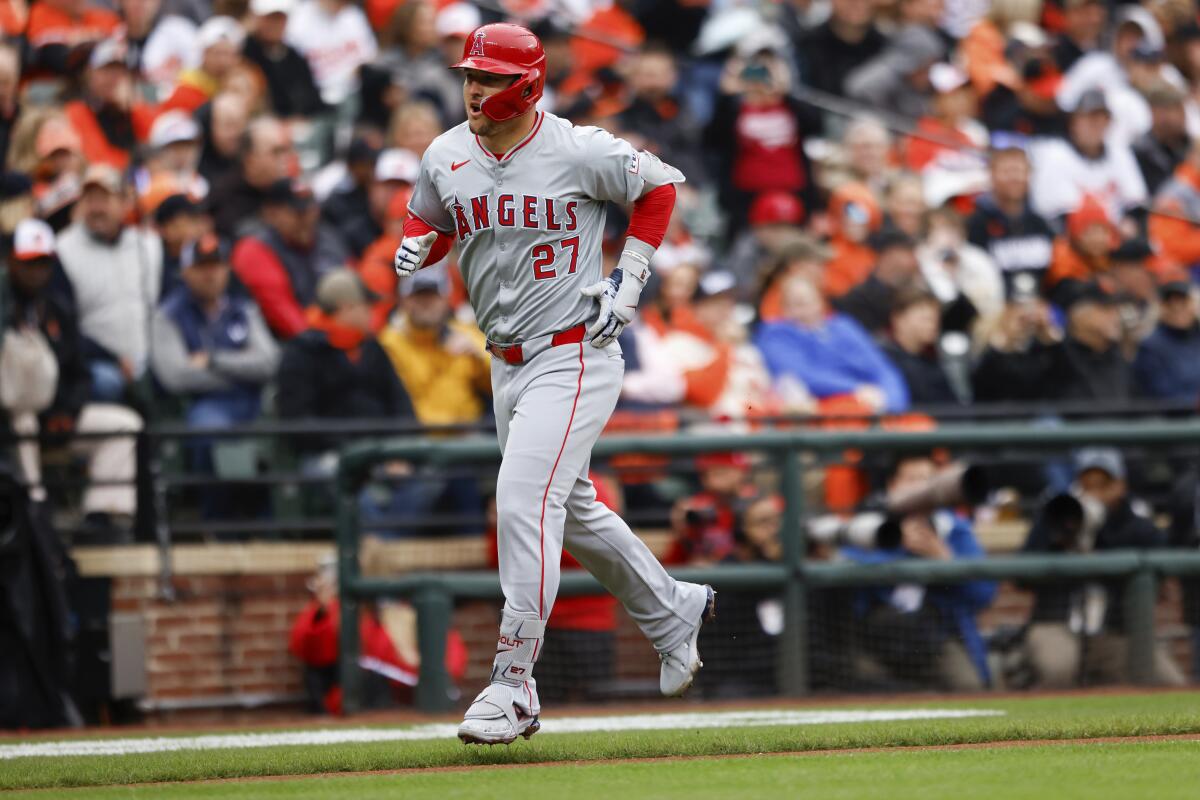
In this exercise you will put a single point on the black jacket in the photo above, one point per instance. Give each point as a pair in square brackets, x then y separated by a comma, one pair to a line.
[671, 133]
[290, 83]
[1066, 370]
[826, 60]
[1158, 159]
[927, 381]
[235, 205]
[1017, 244]
[319, 381]
[347, 211]
[870, 303]
[1123, 529]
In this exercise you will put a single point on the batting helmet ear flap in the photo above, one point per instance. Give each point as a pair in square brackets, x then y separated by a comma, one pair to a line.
[516, 99]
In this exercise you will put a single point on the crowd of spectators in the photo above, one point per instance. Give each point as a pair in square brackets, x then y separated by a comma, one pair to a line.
[890, 207]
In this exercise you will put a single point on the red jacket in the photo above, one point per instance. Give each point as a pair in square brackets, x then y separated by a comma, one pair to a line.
[259, 268]
[314, 640]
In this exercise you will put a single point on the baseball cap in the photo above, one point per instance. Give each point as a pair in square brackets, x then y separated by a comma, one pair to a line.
[288, 192]
[430, 279]
[174, 205]
[771, 208]
[1091, 292]
[208, 249]
[730, 459]
[1105, 459]
[108, 51]
[342, 287]
[714, 284]
[888, 238]
[946, 78]
[1161, 94]
[1146, 52]
[1091, 101]
[1175, 288]
[56, 134]
[457, 19]
[173, 127]
[105, 176]
[221, 29]
[33, 239]
[361, 150]
[1135, 249]
[264, 7]
[396, 164]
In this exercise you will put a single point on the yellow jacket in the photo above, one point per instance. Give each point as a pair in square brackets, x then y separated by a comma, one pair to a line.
[446, 387]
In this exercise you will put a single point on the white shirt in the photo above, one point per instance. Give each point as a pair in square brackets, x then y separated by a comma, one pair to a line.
[170, 48]
[335, 45]
[1062, 176]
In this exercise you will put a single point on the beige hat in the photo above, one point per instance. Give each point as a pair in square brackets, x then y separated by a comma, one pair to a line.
[341, 288]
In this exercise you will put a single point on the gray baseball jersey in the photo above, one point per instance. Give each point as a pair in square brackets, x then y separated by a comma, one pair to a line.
[529, 223]
[529, 226]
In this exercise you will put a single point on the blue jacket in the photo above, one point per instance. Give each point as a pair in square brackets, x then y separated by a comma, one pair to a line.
[1168, 364]
[958, 603]
[832, 360]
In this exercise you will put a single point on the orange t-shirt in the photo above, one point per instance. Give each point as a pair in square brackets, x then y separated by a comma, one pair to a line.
[50, 25]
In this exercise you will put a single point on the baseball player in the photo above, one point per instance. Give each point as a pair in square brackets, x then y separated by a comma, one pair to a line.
[523, 194]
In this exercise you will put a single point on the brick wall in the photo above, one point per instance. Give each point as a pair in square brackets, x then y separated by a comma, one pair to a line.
[223, 634]
[228, 634]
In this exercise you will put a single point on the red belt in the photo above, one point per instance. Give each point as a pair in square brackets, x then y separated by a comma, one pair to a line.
[515, 353]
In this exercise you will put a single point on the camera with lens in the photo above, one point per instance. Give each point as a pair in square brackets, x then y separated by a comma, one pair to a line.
[700, 517]
[877, 526]
[1072, 520]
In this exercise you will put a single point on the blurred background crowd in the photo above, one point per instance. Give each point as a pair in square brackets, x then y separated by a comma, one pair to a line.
[913, 210]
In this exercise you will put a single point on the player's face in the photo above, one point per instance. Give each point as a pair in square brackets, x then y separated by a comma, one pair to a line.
[477, 86]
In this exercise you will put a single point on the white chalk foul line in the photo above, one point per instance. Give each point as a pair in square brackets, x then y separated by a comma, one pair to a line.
[639, 722]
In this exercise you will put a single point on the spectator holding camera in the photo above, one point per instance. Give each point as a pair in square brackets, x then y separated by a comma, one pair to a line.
[758, 132]
[705, 523]
[1027, 358]
[925, 635]
[1076, 632]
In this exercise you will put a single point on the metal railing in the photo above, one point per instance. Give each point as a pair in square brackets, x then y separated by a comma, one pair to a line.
[433, 593]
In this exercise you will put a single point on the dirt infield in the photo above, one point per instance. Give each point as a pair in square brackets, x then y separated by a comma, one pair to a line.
[1010, 743]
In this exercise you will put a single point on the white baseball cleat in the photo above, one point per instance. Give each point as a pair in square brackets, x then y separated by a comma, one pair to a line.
[681, 663]
[497, 718]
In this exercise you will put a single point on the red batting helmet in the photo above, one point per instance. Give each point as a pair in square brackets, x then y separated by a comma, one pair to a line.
[507, 49]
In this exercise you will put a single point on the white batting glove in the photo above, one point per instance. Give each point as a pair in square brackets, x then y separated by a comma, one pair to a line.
[618, 295]
[412, 252]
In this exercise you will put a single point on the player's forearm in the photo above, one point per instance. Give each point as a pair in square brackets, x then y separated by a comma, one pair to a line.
[415, 226]
[647, 229]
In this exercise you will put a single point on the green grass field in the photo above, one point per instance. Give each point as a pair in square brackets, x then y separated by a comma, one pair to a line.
[1163, 769]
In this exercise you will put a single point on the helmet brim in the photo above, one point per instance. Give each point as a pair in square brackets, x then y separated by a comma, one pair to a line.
[485, 64]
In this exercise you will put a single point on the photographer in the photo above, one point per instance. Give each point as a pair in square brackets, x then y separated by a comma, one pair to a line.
[1076, 630]
[924, 635]
[704, 524]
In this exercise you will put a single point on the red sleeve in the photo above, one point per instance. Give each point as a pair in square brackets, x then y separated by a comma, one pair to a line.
[652, 214]
[262, 273]
[314, 638]
[415, 226]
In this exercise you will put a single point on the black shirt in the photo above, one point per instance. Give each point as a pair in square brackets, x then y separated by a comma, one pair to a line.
[826, 59]
[1023, 243]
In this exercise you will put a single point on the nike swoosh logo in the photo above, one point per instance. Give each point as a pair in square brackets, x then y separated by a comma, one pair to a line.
[459, 164]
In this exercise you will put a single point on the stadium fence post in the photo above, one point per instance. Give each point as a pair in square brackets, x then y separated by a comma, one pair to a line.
[1141, 590]
[434, 605]
[349, 674]
[792, 665]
